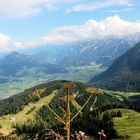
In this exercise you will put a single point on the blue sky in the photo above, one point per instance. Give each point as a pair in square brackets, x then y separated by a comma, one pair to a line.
[26, 20]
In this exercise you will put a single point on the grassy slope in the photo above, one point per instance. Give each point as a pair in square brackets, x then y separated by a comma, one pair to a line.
[22, 117]
[129, 124]
[121, 95]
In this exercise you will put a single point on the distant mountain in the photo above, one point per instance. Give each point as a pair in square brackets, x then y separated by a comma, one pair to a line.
[50, 52]
[90, 52]
[15, 62]
[123, 74]
[132, 38]
[101, 52]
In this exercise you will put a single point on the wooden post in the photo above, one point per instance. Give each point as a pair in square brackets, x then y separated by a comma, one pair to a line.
[67, 86]
[67, 117]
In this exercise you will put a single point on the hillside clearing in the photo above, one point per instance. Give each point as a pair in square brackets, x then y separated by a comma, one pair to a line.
[128, 124]
[22, 116]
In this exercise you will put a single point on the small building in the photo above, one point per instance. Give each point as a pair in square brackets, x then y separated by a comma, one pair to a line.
[13, 119]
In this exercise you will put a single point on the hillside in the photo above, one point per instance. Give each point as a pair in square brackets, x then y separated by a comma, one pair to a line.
[17, 102]
[123, 74]
[33, 102]
[128, 125]
[31, 107]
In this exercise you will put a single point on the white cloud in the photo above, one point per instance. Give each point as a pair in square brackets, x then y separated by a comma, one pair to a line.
[23, 8]
[92, 6]
[5, 41]
[8, 44]
[92, 29]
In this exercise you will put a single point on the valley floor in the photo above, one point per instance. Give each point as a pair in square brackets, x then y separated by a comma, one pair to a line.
[81, 74]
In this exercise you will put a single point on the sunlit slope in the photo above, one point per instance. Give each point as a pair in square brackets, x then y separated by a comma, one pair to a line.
[23, 107]
[129, 124]
[33, 102]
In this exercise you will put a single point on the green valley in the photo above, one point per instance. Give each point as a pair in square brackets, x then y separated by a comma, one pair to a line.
[81, 74]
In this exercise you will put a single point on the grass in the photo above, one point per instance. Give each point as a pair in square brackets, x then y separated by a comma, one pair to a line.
[128, 94]
[76, 105]
[82, 73]
[128, 124]
[115, 94]
[22, 116]
[121, 95]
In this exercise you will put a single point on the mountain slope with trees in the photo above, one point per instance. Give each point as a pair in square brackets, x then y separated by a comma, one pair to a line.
[31, 113]
[123, 74]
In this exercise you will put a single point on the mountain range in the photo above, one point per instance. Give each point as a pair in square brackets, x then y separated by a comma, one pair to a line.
[123, 74]
[94, 52]
[101, 51]
[56, 59]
